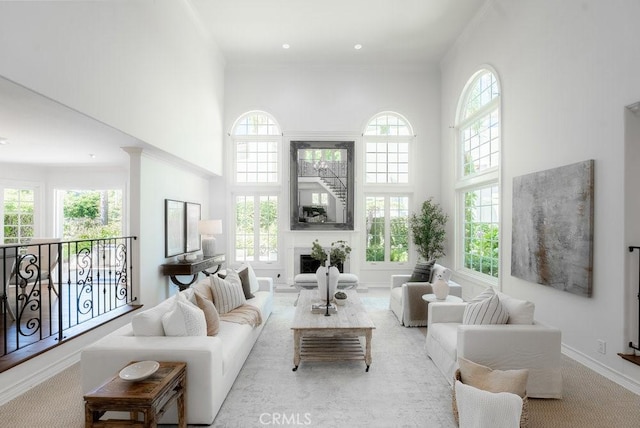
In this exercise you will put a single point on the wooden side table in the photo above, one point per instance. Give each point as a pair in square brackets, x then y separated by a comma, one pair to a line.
[150, 396]
[193, 268]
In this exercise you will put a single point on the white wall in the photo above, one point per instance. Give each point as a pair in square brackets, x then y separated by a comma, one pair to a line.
[140, 66]
[567, 71]
[336, 102]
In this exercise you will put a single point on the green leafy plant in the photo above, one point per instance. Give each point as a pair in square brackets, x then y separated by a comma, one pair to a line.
[338, 253]
[428, 230]
[340, 295]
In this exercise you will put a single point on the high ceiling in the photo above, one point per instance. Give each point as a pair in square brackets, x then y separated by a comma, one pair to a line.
[325, 32]
[405, 32]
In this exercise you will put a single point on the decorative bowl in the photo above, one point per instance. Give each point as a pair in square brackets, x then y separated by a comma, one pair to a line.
[139, 371]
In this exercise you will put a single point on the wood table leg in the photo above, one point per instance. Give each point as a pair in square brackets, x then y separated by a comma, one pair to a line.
[182, 413]
[367, 353]
[296, 349]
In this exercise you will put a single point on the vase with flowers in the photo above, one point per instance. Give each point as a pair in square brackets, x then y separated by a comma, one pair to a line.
[330, 259]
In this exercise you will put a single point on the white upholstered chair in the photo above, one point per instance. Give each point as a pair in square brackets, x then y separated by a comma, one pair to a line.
[405, 298]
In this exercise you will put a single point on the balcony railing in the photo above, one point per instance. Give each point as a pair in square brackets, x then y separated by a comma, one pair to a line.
[52, 291]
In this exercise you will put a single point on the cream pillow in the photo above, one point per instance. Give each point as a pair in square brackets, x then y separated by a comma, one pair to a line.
[520, 311]
[488, 311]
[149, 322]
[210, 313]
[227, 295]
[482, 409]
[483, 377]
[185, 319]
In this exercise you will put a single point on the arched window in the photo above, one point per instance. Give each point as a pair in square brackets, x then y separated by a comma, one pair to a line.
[256, 140]
[387, 141]
[387, 138]
[478, 185]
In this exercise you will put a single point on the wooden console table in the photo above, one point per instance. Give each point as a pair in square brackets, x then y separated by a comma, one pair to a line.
[193, 268]
[151, 397]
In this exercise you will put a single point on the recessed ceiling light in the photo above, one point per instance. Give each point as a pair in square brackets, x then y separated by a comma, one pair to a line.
[92, 156]
[358, 47]
[285, 46]
[3, 141]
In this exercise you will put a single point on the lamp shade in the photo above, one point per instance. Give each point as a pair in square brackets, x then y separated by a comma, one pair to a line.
[210, 227]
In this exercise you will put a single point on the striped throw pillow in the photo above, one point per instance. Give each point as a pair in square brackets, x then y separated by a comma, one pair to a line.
[227, 295]
[487, 311]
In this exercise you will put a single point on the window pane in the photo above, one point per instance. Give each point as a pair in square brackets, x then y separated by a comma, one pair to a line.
[399, 229]
[244, 228]
[481, 230]
[18, 218]
[268, 239]
[375, 229]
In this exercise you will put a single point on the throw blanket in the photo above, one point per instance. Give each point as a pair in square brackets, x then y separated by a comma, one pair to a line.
[245, 314]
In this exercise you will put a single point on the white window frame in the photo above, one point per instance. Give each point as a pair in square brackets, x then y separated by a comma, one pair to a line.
[481, 179]
[255, 189]
[388, 139]
[38, 207]
[387, 229]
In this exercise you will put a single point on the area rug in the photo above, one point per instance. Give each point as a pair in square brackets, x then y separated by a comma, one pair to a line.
[402, 388]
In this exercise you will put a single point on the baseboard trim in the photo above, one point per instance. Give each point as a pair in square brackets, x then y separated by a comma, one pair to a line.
[38, 376]
[606, 371]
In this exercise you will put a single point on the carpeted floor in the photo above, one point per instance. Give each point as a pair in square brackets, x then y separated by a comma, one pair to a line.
[402, 388]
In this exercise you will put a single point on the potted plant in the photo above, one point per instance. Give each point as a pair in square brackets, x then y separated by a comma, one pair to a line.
[340, 297]
[338, 253]
[327, 276]
[428, 230]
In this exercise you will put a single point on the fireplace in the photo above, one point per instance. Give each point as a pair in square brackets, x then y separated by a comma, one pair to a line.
[311, 265]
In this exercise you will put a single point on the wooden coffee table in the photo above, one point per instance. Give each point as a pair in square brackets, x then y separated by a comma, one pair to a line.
[150, 396]
[317, 337]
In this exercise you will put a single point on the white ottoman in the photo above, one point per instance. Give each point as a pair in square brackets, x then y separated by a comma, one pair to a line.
[308, 281]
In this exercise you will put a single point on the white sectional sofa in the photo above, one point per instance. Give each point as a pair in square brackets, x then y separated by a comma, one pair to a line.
[213, 362]
[522, 343]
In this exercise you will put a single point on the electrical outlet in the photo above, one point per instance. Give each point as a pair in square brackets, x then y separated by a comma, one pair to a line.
[602, 346]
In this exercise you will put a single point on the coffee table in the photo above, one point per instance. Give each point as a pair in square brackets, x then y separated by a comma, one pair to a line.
[317, 337]
[150, 396]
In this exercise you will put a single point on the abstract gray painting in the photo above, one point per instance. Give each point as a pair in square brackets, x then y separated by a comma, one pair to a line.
[552, 235]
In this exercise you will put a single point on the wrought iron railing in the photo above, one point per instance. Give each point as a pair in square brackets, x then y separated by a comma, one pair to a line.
[52, 290]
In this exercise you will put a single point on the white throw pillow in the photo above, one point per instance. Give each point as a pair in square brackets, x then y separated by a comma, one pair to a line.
[186, 319]
[482, 409]
[227, 295]
[520, 311]
[149, 322]
[488, 311]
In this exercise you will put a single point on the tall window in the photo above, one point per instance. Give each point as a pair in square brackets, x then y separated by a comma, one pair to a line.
[478, 185]
[387, 228]
[387, 141]
[257, 140]
[18, 214]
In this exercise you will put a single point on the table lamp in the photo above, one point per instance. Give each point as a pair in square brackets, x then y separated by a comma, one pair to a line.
[207, 229]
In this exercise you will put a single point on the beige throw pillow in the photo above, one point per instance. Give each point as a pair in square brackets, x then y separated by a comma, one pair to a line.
[227, 295]
[487, 379]
[210, 313]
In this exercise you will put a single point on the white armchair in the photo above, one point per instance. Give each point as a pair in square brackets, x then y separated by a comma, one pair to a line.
[405, 298]
[505, 346]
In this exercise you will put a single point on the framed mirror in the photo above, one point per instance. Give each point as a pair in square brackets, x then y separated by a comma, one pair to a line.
[322, 185]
